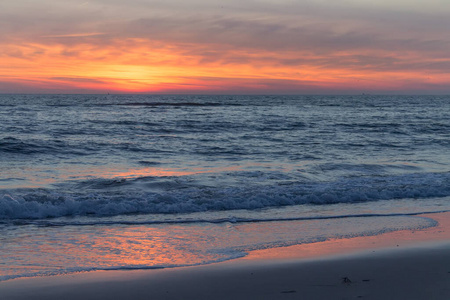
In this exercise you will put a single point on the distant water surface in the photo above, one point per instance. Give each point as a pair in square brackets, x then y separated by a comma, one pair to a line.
[93, 182]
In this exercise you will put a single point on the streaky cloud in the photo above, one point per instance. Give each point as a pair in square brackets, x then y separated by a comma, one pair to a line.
[74, 35]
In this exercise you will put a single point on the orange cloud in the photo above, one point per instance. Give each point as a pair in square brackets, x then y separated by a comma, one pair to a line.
[206, 46]
[139, 65]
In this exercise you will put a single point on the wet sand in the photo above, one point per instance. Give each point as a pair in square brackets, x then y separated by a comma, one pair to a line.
[398, 265]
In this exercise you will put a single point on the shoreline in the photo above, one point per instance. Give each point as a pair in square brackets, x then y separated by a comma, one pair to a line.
[395, 265]
[360, 245]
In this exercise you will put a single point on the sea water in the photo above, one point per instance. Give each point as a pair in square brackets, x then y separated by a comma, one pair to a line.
[104, 182]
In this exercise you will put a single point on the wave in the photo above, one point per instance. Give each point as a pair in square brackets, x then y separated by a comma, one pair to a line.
[182, 194]
[190, 220]
[17, 146]
[169, 104]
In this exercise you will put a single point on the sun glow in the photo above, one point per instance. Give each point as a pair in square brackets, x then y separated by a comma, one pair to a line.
[135, 65]
[262, 47]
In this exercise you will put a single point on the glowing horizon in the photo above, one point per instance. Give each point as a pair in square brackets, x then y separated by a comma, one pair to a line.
[259, 46]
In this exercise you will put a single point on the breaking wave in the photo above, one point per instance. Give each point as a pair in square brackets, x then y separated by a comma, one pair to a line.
[174, 195]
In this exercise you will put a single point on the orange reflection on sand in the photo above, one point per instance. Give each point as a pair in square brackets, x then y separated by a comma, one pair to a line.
[350, 246]
[136, 246]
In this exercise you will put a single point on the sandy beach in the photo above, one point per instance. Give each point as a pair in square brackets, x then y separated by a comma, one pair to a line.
[397, 265]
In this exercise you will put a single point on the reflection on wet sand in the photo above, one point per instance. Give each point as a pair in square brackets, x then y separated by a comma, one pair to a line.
[349, 246]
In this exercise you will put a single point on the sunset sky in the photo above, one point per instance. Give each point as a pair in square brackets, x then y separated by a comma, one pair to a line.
[220, 47]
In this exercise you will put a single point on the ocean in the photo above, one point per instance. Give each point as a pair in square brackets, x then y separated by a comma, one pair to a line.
[112, 182]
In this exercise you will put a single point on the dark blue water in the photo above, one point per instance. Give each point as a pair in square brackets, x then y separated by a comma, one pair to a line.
[195, 169]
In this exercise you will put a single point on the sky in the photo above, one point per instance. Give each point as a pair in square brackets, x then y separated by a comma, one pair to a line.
[225, 47]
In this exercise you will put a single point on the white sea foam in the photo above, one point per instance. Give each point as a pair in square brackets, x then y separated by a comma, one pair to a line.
[117, 197]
